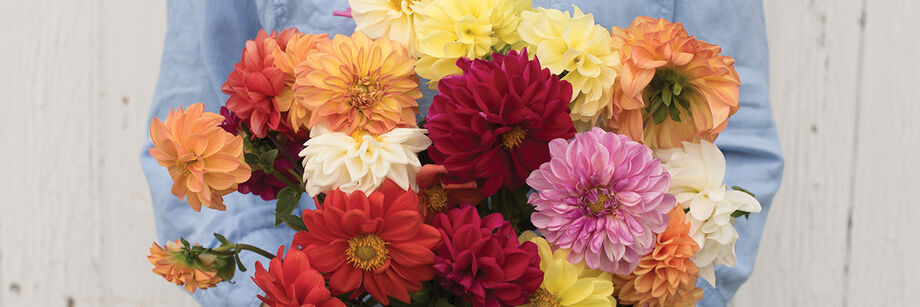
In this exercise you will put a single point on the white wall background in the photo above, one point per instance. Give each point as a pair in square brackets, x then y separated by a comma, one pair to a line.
[78, 76]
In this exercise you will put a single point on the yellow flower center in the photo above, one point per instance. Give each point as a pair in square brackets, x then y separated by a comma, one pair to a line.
[598, 206]
[543, 298]
[364, 92]
[513, 138]
[435, 198]
[367, 252]
[404, 6]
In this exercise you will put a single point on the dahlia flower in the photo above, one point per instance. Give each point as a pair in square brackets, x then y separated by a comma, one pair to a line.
[482, 261]
[566, 283]
[493, 123]
[666, 276]
[355, 83]
[335, 160]
[671, 86]
[602, 196]
[448, 30]
[576, 45]
[391, 19]
[375, 243]
[255, 81]
[267, 186]
[290, 60]
[437, 197]
[188, 270]
[697, 171]
[292, 281]
[204, 161]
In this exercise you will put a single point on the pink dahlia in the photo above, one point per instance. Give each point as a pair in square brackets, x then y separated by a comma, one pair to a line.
[493, 123]
[604, 197]
[482, 261]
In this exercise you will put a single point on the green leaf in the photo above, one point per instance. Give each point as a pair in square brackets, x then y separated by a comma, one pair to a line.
[666, 97]
[184, 243]
[675, 113]
[239, 264]
[268, 159]
[294, 222]
[660, 115]
[737, 188]
[684, 103]
[223, 240]
[225, 266]
[739, 213]
[253, 160]
[676, 89]
[287, 200]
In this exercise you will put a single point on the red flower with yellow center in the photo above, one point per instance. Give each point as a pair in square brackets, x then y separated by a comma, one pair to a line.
[437, 197]
[292, 281]
[375, 243]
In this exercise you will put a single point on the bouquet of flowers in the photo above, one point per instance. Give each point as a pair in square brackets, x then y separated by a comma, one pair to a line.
[560, 163]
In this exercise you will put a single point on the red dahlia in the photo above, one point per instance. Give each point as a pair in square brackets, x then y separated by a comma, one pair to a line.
[493, 123]
[482, 261]
[291, 281]
[437, 197]
[375, 243]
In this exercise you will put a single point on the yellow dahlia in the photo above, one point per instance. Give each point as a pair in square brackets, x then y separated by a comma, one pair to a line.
[671, 86]
[204, 161]
[393, 19]
[177, 265]
[565, 283]
[355, 83]
[450, 29]
[667, 275]
[576, 45]
[290, 61]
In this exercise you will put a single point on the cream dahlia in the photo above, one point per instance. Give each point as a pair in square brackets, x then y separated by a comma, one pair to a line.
[393, 19]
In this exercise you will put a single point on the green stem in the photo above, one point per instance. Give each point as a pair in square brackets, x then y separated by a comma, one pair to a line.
[285, 180]
[287, 155]
[255, 250]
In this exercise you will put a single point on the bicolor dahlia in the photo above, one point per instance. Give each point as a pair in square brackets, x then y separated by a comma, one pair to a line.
[697, 171]
[482, 261]
[291, 281]
[393, 19]
[357, 84]
[671, 87]
[376, 243]
[186, 269]
[449, 30]
[204, 161]
[493, 123]
[335, 160]
[576, 45]
[255, 81]
[568, 284]
[602, 196]
[290, 60]
[437, 197]
[666, 276]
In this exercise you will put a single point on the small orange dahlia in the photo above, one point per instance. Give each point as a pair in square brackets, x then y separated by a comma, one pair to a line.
[667, 275]
[671, 87]
[290, 61]
[355, 83]
[192, 271]
[204, 161]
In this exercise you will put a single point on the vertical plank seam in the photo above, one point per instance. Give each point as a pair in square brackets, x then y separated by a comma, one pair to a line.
[851, 207]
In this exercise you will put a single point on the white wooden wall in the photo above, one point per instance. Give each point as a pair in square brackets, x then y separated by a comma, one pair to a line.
[75, 217]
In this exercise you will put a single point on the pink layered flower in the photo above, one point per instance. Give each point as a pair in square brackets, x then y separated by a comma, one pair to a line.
[604, 197]
[482, 261]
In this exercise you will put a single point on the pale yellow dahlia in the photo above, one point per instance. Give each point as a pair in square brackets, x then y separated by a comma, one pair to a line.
[177, 265]
[448, 30]
[290, 61]
[355, 83]
[393, 19]
[565, 283]
[361, 162]
[574, 44]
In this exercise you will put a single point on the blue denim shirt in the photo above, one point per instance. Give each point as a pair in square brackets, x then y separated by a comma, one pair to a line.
[205, 38]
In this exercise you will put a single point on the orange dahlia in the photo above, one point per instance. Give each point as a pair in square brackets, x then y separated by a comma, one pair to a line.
[671, 87]
[204, 161]
[290, 61]
[667, 275]
[177, 265]
[355, 83]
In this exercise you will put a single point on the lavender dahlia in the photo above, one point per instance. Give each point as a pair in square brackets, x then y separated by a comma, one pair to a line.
[604, 197]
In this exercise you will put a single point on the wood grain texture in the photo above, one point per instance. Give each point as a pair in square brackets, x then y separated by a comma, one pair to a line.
[75, 215]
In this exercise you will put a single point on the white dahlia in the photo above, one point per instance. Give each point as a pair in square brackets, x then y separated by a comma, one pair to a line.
[393, 19]
[697, 171]
[335, 160]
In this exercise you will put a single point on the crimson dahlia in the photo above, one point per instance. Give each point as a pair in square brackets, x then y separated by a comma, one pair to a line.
[493, 123]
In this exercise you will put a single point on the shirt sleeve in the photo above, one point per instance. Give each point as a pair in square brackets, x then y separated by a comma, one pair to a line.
[752, 152]
[203, 41]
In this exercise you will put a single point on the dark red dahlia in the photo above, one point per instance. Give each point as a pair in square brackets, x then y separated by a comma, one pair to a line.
[493, 124]
[265, 185]
[482, 261]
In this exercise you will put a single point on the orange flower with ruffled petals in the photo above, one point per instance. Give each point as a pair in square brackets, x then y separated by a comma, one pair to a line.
[355, 83]
[182, 268]
[291, 60]
[671, 87]
[204, 161]
[667, 275]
